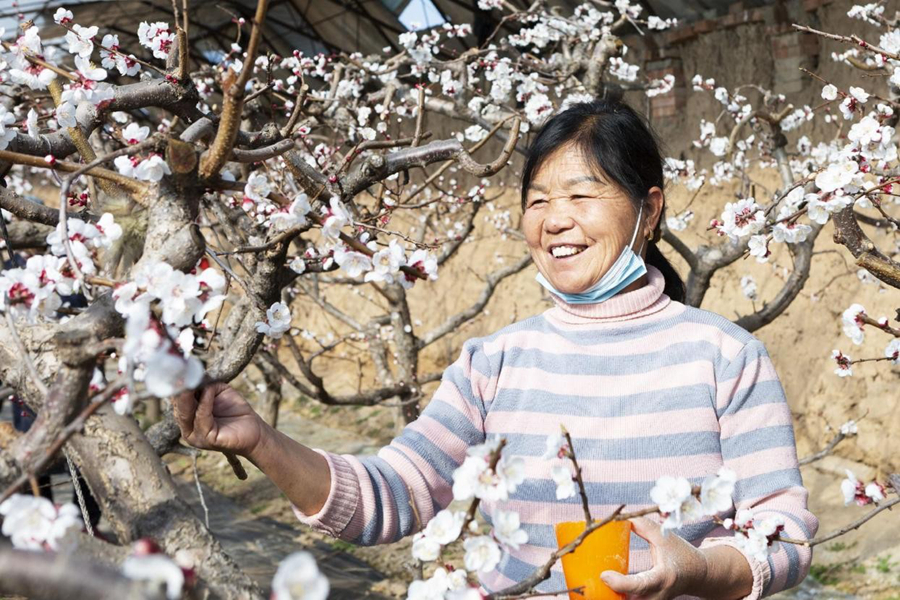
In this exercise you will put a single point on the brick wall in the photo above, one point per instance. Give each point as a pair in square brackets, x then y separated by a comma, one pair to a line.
[673, 102]
[790, 49]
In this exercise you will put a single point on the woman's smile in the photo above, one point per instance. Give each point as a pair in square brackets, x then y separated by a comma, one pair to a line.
[566, 251]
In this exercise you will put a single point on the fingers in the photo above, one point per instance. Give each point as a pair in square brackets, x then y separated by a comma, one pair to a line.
[648, 530]
[184, 406]
[639, 584]
[204, 421]
[194, 411]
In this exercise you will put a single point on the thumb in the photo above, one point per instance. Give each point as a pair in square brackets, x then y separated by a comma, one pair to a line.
[648, 530]
[637, 584]
[617, 581]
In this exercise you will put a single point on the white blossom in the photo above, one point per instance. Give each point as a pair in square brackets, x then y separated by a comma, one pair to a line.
[7, 134]
[445, 526]
[556, 446]
[294, 216]
[892, 351]
[759, 247]
[80, 40]
[565, 483]
[852, 324]
[507, 529]
[844, 366]
[152, 168]
[425, 548]
[65, 115]
[278, 320]
[837, 175]
[749, 287]
[860, 94]
[742, 218]
[716, 491]
[257, 187]
[482, 554]
[298, 578]
[829, 92]
[31, 125]
[674, 498]
[297, 265]
[35, 523]
[62, 16]
[135, 133]
[352, 262]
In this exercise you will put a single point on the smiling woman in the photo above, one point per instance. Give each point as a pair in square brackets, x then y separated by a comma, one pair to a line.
[647, 387]
[592, 181]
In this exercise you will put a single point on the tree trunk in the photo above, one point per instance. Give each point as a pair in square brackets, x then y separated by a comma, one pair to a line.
[138, 498]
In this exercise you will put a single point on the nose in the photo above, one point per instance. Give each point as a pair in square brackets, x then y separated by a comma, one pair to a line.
[559, 216]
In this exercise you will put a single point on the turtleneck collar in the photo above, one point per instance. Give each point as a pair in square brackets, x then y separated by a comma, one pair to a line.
[643, 301]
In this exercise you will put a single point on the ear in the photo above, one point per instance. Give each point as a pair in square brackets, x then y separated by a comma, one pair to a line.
[654, 206]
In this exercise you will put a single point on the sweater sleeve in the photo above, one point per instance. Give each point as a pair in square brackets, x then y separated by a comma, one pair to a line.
[757, 440]
[383, 498]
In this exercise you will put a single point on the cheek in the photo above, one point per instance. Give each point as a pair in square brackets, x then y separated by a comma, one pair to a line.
[531, 228]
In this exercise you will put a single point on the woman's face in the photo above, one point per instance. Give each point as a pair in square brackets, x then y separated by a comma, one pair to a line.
[577, 222]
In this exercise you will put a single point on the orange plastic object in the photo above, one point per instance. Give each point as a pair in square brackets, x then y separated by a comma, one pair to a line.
[605, 549]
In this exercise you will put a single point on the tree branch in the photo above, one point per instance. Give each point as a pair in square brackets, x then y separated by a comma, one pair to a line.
[49, 575]
[454, 322]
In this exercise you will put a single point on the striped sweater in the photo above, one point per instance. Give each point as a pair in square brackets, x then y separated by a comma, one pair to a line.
[647, 387]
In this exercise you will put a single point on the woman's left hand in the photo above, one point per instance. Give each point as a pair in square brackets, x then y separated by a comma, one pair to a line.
[677, 566]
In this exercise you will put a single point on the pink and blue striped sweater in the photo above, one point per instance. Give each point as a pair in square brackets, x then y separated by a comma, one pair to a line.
[646, 386]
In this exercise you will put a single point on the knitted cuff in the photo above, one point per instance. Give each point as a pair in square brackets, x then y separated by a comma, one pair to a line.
[762, 574]
[343, 498]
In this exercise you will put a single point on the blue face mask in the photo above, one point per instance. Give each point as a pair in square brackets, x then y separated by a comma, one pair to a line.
[627, 269]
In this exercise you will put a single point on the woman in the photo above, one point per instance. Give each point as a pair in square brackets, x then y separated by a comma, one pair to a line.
[646, 385]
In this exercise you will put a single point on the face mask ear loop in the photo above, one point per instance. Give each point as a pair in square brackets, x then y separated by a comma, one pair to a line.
[636, 227]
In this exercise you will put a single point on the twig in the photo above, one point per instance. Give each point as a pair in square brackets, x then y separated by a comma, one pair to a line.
[824, 451]
[571, 456]
[199, 487]
[131, 185]
[852, 39]
[575, 590]
[837, 533]
[261, 154]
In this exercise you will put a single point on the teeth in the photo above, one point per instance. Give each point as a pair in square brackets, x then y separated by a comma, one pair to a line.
[560, 251]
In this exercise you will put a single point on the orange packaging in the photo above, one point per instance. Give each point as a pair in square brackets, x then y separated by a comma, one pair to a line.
[605, 549]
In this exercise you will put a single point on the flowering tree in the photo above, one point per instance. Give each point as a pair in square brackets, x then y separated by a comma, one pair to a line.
[195, 215]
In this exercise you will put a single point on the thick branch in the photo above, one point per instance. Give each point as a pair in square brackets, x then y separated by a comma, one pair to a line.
[847, 232]
[367, 398]
[23, 234]
[233, 102]
[50, 576]
[379, 167]
[803, 253]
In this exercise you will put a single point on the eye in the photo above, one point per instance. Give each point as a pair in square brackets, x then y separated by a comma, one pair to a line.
[535, 202]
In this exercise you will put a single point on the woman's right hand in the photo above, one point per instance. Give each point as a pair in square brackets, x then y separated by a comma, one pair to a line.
[220, 420]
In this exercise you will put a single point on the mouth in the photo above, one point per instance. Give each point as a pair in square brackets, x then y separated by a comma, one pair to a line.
[566, 251]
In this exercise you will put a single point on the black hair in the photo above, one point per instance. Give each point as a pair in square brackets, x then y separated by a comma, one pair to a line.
[618, 142]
